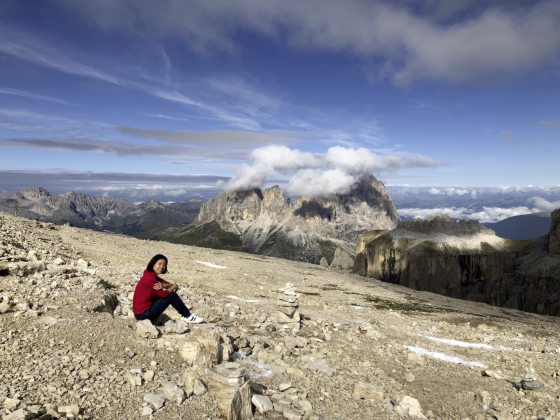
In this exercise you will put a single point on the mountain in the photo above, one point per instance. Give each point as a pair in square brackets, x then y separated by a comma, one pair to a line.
[358, 349]
[268, 223]
[466, 260]
[118, 215]
[526, 226]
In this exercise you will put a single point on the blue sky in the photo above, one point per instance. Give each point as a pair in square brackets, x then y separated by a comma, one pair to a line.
[437, 93]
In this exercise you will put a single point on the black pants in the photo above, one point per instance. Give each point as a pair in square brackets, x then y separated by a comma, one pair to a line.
[161, 305]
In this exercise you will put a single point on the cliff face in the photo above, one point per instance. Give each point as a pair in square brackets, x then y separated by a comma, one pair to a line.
[464, 260]
[554, 236]
[269, 223]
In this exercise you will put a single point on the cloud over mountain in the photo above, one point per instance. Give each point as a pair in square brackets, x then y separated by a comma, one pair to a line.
[319, 174]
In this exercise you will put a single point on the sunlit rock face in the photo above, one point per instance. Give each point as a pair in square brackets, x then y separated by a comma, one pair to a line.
[313, 227]
[465, 260]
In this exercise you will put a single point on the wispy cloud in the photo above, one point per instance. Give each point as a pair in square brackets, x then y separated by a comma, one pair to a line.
[554, 124]
[231, 138]
[31, 95]
[123, 148]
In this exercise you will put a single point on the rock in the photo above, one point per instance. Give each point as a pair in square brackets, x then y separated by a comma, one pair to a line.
[199, 388]
[81, 263]
[146, 329]
[366, 391]
[149, 375]
[229, 373]
[531, 384]
[58, 261]
[146, 411]
[109, 303]
[409, 377]
[284, 386]
[5, 307]
[323, 262]
[262, 403]
[157, 401]
[20, 414]
[67, 410]
[129, 352]
[291, 413]
[11, 403]
[410, 407]
[483, 396]
[172, 392]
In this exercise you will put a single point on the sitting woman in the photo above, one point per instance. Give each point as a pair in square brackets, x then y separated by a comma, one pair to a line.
[153, 295]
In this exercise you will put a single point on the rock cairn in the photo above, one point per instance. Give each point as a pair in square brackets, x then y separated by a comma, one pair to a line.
[288, 316]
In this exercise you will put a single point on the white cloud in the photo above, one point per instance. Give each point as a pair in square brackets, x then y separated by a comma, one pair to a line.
[542, 204]
[413, 41]
[334, 171]
[316, 182]
[486, 215]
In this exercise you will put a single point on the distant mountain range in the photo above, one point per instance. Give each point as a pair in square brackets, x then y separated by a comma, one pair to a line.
[526, 226]
[144, 220]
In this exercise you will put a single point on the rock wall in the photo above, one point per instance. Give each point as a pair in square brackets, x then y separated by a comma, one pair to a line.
[514, 274]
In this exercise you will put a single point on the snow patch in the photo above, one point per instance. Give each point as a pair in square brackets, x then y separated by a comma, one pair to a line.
[208, 264]
[243, 300]
[458, 343]
[443, 357]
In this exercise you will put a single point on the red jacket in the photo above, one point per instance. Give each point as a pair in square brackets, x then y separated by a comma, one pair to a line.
[145, 294]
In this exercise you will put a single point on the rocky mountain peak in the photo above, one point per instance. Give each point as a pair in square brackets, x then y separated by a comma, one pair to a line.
[33, 193]
[268, 218]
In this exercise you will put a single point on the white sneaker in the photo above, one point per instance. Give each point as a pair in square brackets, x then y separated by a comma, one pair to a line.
[192, 319]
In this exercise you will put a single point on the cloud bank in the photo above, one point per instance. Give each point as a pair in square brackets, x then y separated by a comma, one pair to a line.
[319, 174]
[408, 41]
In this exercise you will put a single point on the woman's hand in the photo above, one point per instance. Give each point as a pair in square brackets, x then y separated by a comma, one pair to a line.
[159, 286]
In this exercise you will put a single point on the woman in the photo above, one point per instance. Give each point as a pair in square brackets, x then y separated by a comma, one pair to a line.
[153, 295]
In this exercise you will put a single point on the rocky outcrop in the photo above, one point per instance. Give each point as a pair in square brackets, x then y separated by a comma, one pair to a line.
[311, 228]
[463, 259]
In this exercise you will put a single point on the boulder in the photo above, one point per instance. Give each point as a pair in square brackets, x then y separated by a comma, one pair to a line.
[146, 329]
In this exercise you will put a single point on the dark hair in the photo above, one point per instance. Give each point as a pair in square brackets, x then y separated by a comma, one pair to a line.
[154, 260]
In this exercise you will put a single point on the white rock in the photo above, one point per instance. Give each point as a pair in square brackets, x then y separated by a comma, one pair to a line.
[149, 375]
[72, 410]
[155, 400]
[146, 411]
[262, 403]
[11, 403]
[146, 329]
[172, 392]
[81, 263]
[410, 407]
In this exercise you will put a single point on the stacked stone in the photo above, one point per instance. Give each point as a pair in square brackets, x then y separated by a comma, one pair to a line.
[288, 315]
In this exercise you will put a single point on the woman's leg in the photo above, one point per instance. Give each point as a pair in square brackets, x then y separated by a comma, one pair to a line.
[160, 305]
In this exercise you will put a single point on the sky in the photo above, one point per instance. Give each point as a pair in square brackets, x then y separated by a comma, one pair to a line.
[130, 94]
